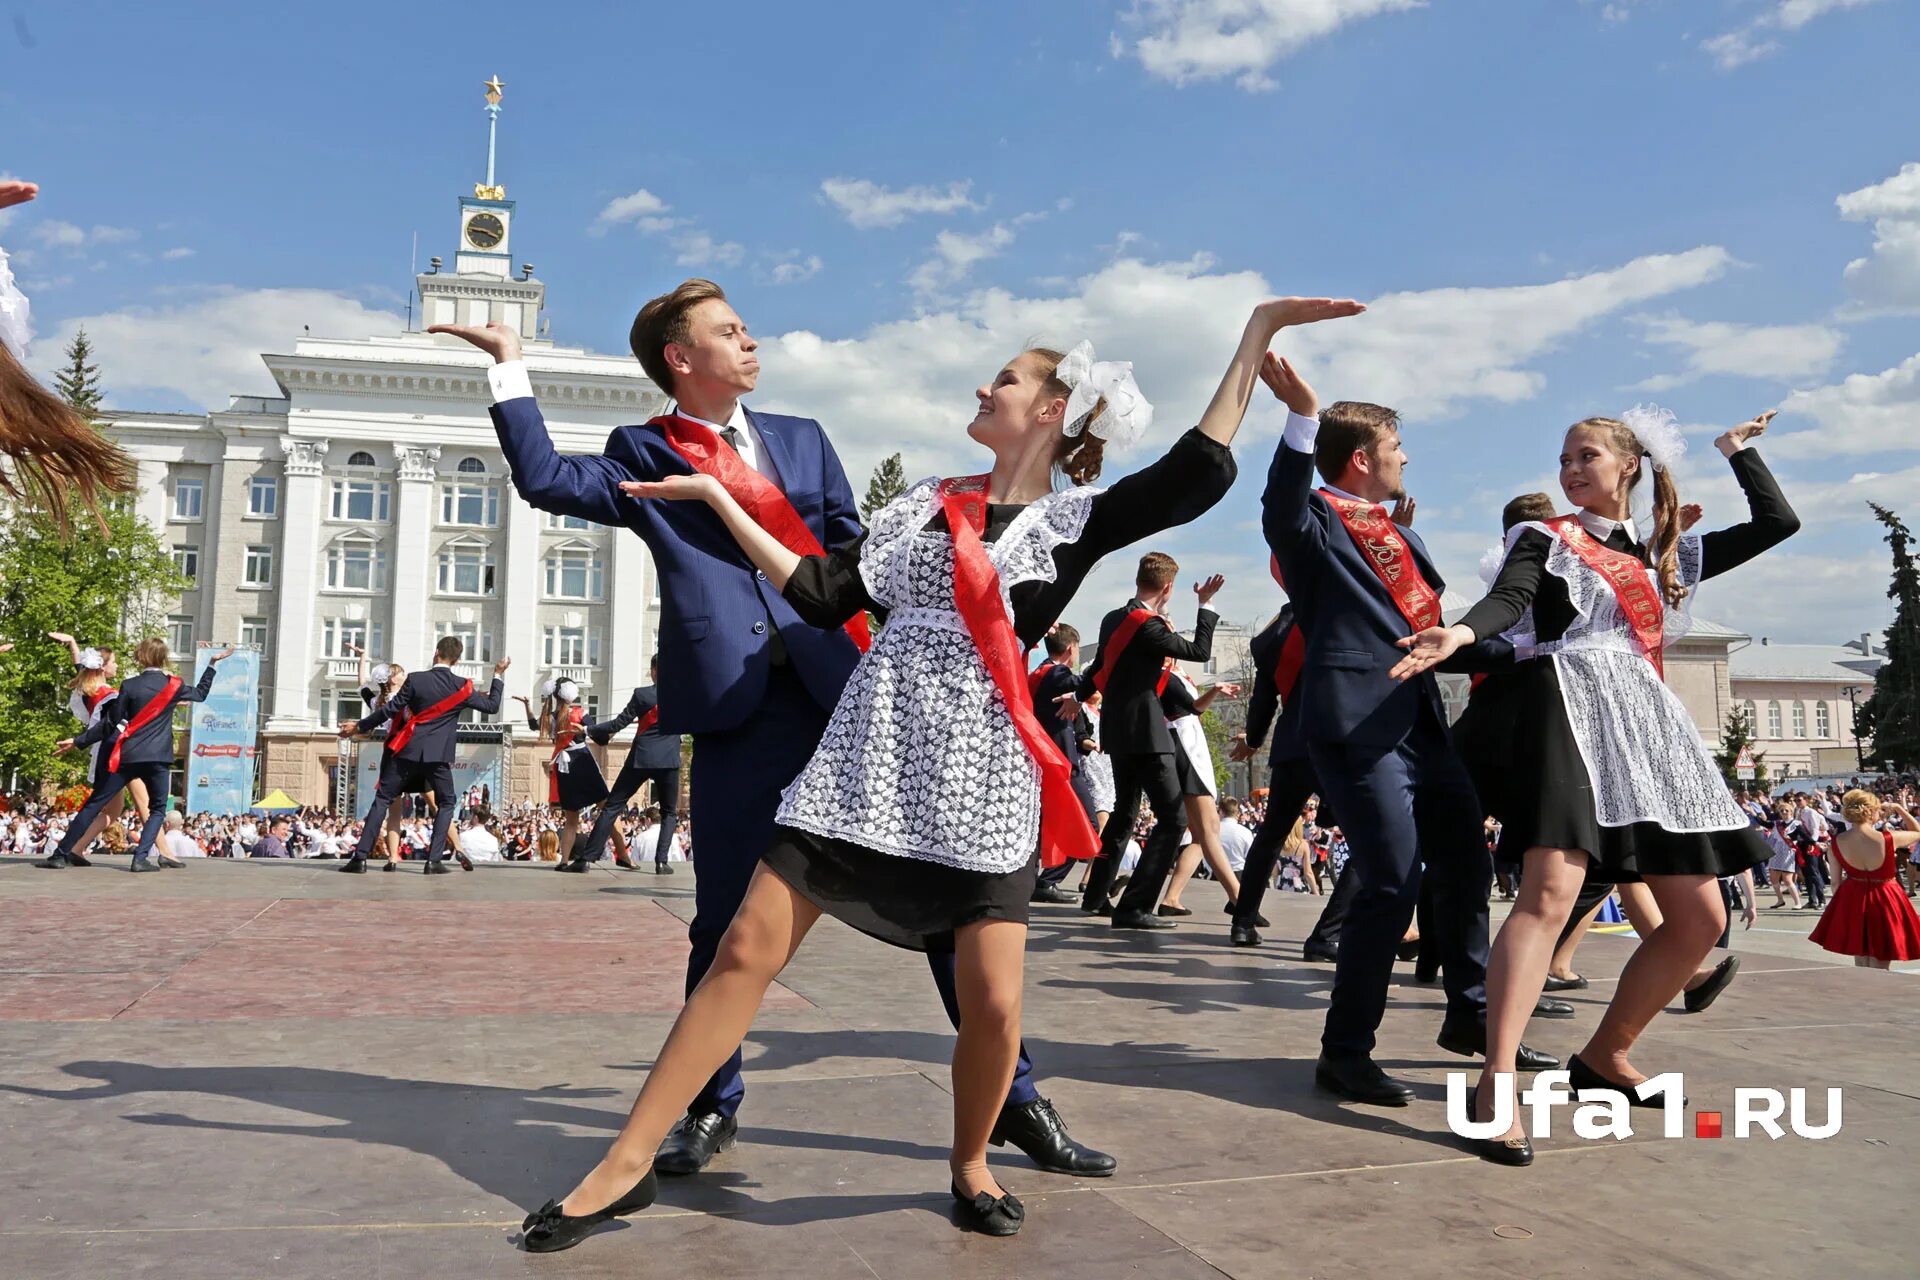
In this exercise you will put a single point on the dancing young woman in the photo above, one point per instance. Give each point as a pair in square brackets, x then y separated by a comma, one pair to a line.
[92, 688]
[574, 780]
[919, 816]
[1868, 917]
[1608, 766]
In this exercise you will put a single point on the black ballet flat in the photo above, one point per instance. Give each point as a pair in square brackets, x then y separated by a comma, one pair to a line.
[1516, 1153]
[989, 1215]
[547, 1230]
[1581, 1077]
[1575, 983]
[1165, 910]
[1407, 950]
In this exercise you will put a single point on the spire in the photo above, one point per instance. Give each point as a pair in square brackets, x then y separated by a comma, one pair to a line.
[488, 190]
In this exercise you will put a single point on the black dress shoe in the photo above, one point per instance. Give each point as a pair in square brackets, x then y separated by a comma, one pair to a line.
[1037, 1129]
[435, 867]
[466, 863]
[1426, 974]
[1548, 1007]
[56, 862]
[1471, 1042]
[1050, 893]
[1164, 910]
[1581, 1077]
[1405, 950]
[356, 866]
[990, 1215]
[1514, 1152]
[1245, 935]
[1259, 921]
[79, 860]
[693, 1142]
[1362, 1080]
[576, 865]
[547, 1230]
[1104, 910]
[1140, 920]
[1698, 998]
[143, 864]
[663, 868]
[1575, 983]
[1320, 955]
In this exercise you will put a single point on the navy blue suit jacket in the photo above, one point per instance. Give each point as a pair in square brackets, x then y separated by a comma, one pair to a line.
[1352, 625]
[153, 744]
[432, 742]
[651, 749]
[716, 609]
[1065, 733]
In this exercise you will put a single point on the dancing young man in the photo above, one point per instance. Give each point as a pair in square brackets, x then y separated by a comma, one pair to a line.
[419, 753]
[1380, 747]
[740, 671]
[655, 758]
[1135, 642]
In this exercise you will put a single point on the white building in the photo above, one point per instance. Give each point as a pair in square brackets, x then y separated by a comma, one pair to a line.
[1800, 699]
[368, 503]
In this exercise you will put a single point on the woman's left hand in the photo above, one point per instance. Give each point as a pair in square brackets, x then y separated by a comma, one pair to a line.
[1427, 649]
[694, 488]
[1732, 441]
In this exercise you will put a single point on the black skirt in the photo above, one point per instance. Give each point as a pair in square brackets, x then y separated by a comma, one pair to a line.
[1526, 764]
[907, 902]
[1191, 783]
[582, 786]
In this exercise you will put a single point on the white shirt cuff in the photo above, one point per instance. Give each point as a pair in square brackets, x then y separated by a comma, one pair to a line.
[1301, 432]
[1207, 608]
[509, 380]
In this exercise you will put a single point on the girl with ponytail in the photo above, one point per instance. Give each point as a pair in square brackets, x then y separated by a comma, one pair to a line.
[1610, 779]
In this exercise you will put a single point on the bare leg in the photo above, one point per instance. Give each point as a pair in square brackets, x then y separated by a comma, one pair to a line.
[1517, 967]
[1562, 964]
[1868, 962]
[391, 837]
[765, 933]
[1311, 875]
[1183, 870]
[569, 832]
[989, 957]
[1637, 904]
[1203, 820]
[453, 832]
[1657, 970]
[115, 807]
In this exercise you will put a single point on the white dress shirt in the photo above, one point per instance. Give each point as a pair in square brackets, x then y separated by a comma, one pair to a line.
[1235, 840]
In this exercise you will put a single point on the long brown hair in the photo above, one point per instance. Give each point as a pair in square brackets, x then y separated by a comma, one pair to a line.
[52, 453]
[1666, 502]
[1079, 456]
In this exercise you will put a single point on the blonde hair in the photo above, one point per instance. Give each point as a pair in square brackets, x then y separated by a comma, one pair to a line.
[549, 846]
[1860, 808]
[1666, 501]
[88, 681]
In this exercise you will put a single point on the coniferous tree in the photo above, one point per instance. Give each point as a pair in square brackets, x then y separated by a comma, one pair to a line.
[1891, 717]
[889, 482]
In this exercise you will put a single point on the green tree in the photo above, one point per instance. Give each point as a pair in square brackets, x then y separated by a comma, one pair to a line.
[1736, 736]
[79, 382]
[1891, 717]
[889, 482]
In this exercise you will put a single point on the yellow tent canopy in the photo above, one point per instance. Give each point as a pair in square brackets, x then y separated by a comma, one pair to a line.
[275, 801]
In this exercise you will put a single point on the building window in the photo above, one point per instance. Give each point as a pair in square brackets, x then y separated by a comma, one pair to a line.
[367, 500]
[578, 524]
[186, 561]
[337, 633]
[259, 570]
[188, 498]
[253, 632]
[477, 505]
[472, 466]
[1799, 719]
[263, 497]
[340, 706]
[361, 458]
[180, 636]
[574, 575]
[1773, 720]
[592, 703]
[571, 647]
[1822, 721]
[466, 569]
[476, 643]
[1753, 715]
[353, 565]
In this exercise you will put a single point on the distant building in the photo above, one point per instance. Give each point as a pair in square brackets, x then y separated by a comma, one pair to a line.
[1800, 699]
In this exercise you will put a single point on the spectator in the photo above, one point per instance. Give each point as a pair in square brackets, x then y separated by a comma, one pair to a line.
[175, 843]
[274, 843]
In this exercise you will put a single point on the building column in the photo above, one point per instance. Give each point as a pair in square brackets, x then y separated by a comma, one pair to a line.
[628, 644]
[301, 510]
[412, 561]
[519, 636]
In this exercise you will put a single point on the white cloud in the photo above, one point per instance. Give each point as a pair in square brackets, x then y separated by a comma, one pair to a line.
[1189, 40]
[795, 270]
[203, 350]
[1888, 280]
[57, 234]
[642, 209]
[175, 255]
[1759, 38]
[868, 205]
[1778, 353]
[698, 249]
[1863, 413]
[954, 256]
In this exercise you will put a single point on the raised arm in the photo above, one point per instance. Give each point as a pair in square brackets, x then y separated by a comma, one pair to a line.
[1228, 408]
[1770, 519]
[488, 703]
[1285, 514]
[199, 689]
[1157, 637]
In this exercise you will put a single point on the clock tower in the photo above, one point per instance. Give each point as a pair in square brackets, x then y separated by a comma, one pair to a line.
[482, 286]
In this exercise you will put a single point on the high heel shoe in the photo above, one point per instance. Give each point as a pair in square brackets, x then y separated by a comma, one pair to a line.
[1581, 1076]
[990, 1215]
[1514, 1152]
[547, 1230]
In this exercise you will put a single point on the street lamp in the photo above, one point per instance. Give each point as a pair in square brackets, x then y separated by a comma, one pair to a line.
[1853, 723]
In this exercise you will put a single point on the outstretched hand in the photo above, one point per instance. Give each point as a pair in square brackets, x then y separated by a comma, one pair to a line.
[500, 668]
[1288, 386]
[1067, 706]
[1732, 441]
[501, 341]
[1210, 588]
[63, 746]
[1279, 313]
[1241, 751]
[1427, 649]
[13, 191]
[221, 656]
[1403, 508]
[694, 488]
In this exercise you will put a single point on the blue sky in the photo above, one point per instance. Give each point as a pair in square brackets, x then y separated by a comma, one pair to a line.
[1557, 208]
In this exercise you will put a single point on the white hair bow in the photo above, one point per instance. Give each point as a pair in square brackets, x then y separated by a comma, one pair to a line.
[381, 673]
[1659, 434]
[90, 659]
[1127, 414]
[564, 690]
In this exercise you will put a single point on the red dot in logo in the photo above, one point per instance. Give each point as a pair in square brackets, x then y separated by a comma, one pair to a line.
[1706, 1124]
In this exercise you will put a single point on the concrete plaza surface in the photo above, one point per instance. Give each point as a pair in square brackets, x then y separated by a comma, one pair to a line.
[273, 1070]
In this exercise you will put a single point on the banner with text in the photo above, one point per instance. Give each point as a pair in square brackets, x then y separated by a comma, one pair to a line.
[475, 764]
[223, 733]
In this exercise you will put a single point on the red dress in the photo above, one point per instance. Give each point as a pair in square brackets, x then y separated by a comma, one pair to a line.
[1868, 914]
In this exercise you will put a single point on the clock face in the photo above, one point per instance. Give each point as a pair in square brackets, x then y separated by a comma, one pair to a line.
[484, 231]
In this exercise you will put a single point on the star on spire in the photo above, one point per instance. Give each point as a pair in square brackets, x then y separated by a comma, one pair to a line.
[494, 88]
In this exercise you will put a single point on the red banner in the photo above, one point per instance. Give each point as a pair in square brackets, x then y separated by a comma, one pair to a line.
[1064, 830]
[1386, 551]
[1632, 586]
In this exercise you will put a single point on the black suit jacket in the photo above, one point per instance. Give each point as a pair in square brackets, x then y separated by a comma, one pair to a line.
[1131, 722]
[433, 741]
[652, 749]
[153, 744]
[1065, 732]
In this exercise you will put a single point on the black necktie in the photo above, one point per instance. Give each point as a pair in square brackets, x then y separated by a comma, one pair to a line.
[732, 436]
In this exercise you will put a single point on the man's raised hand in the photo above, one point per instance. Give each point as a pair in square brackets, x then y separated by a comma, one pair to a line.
[500, 667]
[1403, 509]
[498, 340]
[1210, 588]
[1288, 386]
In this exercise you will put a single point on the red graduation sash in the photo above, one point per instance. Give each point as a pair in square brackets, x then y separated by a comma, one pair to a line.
[1639, 602]
[399, 738]
[1064, 830]
[141, 719]
[1116, 645]
[563, 738]
[703, 450]
[1293, 656]
[1383, 547]
[93, 700]
[647, 721]
[1038, 674]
